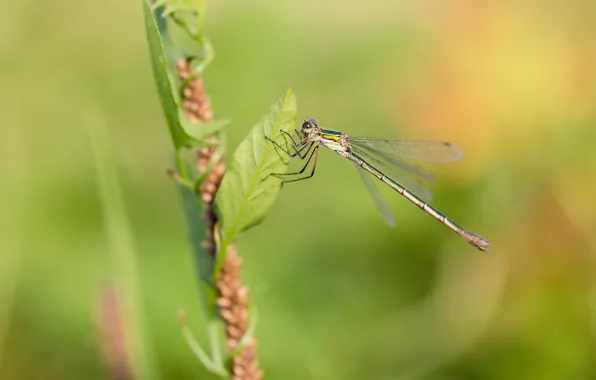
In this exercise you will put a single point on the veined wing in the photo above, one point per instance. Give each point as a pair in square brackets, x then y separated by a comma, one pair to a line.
[376, 195]
[409, 176]
[381, 156]
[419, 150]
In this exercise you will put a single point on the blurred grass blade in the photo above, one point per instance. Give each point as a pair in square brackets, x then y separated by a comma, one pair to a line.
[165, 89]
[244, 198]
[120, 244]
[14, 196]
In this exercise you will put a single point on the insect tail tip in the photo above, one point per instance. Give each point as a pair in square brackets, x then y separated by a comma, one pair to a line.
[477, 241]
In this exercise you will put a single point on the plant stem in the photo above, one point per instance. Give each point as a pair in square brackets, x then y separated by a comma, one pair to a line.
[232, 295]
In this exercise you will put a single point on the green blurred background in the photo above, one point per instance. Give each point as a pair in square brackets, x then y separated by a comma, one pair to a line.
[340, 295]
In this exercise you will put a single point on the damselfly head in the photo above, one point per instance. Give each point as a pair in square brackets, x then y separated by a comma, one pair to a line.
[309, 126]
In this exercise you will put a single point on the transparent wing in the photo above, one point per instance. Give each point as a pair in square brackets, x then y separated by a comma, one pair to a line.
[419, 150]
[407, 175]
[376, 195]
[390, 161]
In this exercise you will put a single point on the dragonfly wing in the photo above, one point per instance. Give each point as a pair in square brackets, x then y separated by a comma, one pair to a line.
[409, 176]
[377, 197]
[418, 150]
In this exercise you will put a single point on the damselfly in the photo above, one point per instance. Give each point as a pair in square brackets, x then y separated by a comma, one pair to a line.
[380, 158]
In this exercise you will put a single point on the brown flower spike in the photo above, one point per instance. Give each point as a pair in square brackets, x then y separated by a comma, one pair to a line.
[233, 296]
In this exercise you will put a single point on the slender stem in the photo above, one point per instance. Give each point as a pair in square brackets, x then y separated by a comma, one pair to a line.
[182, 172]
[214, 343]
[196, 348]
[201, 20]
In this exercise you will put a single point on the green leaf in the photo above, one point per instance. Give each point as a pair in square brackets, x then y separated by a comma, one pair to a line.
[196, 235]
[161, 73]
[244, 198]
[181, 22]
[199, 131]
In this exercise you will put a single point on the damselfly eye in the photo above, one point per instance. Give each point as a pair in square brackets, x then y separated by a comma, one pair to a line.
[307, 127]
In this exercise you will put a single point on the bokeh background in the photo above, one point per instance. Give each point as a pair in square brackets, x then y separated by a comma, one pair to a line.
[340, 294]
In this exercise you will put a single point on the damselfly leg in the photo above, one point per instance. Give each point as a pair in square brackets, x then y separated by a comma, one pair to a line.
[299, 147]
[291, 138]
[287, 144]
[315, 154]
